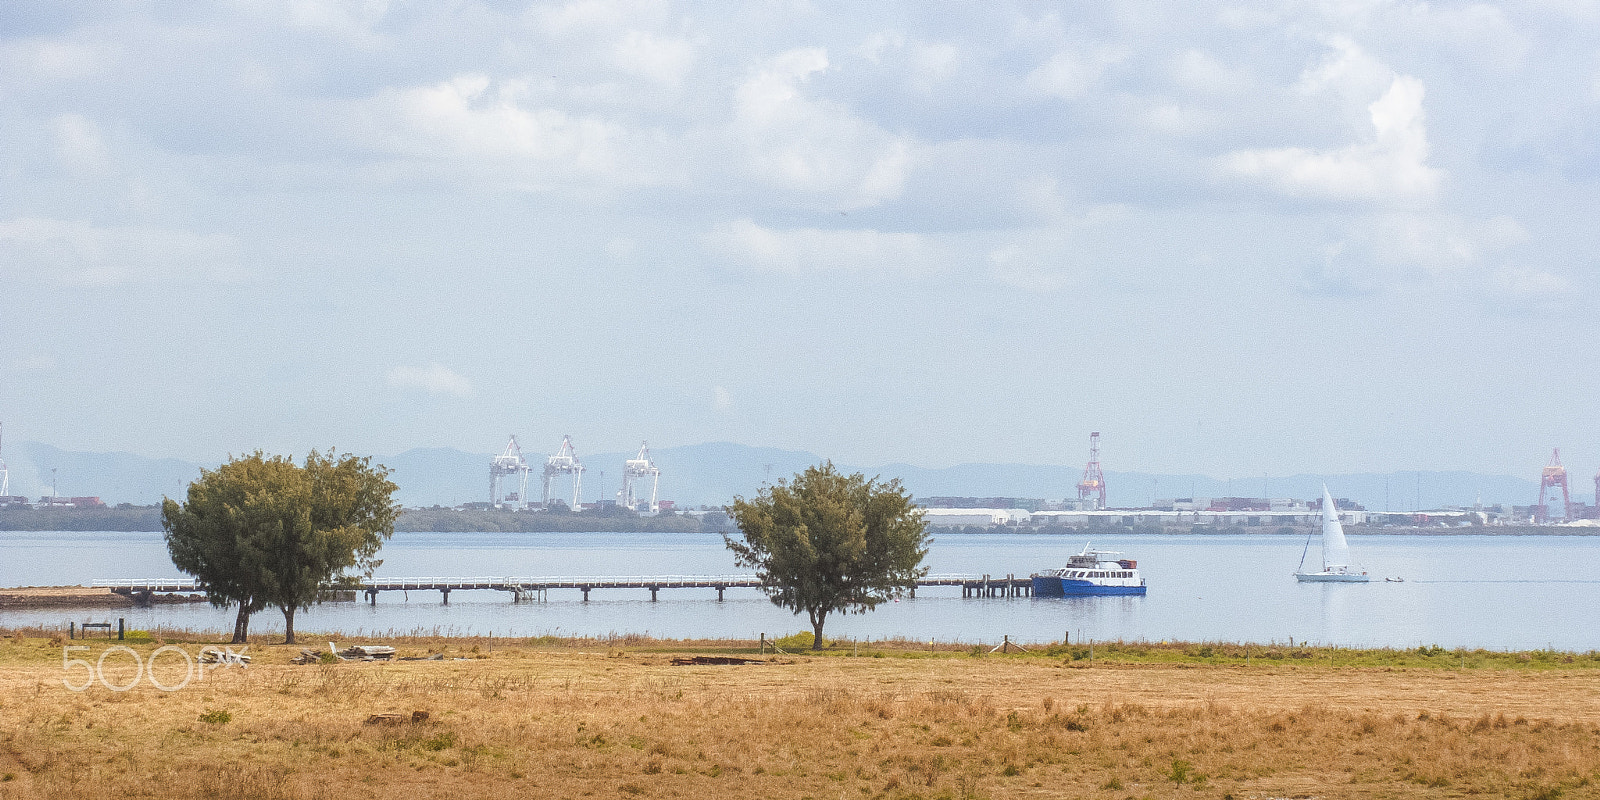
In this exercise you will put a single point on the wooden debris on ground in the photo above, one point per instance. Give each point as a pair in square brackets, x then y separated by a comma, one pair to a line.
[367, 652]
[717, 661]
[360, 652]
[307, 657]
[211, 655]
[416, 718]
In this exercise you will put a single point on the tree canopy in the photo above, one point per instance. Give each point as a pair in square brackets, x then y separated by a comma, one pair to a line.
[828, 542]
[261, 531]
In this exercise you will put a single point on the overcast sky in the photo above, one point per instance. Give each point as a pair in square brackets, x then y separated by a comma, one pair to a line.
[1236, 239]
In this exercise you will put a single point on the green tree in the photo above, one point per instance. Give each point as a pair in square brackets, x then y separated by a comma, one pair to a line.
[261, 531]
[829, 542]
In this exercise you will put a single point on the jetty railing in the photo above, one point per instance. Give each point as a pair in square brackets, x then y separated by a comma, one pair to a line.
[524, 588]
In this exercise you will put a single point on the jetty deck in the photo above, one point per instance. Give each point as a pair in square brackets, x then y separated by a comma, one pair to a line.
[524, 589]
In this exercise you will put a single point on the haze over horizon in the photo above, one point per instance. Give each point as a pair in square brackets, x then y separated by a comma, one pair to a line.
[714, 472]
[1236, 239]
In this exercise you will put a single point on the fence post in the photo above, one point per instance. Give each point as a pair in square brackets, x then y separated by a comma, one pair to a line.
[119, 629]
[72, 630]
[763, 644]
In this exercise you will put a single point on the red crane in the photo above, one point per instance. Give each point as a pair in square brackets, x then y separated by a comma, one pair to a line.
[1553, 475]
[1094, 482]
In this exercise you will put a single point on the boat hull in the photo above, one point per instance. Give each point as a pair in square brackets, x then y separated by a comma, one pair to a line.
[1045, 586]
[1329, 577]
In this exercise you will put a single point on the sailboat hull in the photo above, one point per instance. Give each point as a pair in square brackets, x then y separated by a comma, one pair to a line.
[1330, 577]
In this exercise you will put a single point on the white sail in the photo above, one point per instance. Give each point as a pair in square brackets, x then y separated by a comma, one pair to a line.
[1335, 553]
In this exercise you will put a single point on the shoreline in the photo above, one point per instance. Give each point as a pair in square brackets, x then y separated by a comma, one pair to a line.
[34, 598]
[1108, 653]
[607, 526]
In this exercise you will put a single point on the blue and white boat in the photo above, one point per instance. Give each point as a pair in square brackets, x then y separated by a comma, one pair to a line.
[1091, 572]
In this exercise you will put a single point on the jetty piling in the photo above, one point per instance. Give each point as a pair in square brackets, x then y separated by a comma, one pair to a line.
[524, 589]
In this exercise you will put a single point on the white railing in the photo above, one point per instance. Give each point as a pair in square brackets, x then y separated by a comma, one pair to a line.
[164, 584]
[512, 582]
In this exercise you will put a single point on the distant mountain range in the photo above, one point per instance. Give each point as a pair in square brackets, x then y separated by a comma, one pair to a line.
[713, 473]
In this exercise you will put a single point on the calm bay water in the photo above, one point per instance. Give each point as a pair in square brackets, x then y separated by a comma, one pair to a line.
[1474, 591]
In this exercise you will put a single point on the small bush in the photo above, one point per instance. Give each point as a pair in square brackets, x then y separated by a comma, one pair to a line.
[217, 717]
[1180, 772]
[799, 641]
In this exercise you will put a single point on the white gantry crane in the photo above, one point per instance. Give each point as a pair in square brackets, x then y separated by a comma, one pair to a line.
[5, 474]
[564, 462]
[509, 464]
[637, 469]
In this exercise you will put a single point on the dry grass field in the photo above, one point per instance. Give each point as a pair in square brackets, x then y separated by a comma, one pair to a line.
[619, 719]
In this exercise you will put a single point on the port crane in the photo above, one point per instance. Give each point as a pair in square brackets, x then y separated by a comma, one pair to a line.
[509, 464]
[1553, 477]
[1092, 489]
[5, 474]
[640, 468]
[564, 462]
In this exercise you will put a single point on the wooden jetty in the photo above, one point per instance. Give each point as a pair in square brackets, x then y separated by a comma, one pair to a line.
[537, 589]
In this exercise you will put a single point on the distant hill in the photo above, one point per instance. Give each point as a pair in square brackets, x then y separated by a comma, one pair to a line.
[112, 477]
[714, 472]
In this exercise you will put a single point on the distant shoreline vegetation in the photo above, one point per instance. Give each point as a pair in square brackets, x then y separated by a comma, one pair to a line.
[426, 520]
[448, 520]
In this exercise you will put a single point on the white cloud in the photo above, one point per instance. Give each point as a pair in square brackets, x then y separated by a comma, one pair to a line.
[1443, 244]
[721, 400]
[77, 253]
[1525, 282]
[815, 146]
[875, 46]
[1027, 266]
[586, 15]
[1346, 71]
[55, 60]
[80, 146]
[475, 119]
[1051, 257]
[806, 251]
[1199, 71]
[351, 16]
[1390, 167]
[433, 379]
[1069, 74]
[661, 59]
[1432, 252]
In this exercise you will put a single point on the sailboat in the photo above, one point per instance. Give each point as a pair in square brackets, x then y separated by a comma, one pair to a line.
[1336, 567]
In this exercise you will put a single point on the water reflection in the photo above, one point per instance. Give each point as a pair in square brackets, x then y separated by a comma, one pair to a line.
[1202, 588]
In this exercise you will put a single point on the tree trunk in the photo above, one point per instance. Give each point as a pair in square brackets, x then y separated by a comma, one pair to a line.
[288, 624]
[241, 625]
[817, 618]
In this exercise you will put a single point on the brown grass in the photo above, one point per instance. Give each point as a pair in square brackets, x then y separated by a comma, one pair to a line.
[574, 719]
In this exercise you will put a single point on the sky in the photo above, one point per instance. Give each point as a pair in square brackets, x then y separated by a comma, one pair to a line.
[1236, 239]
